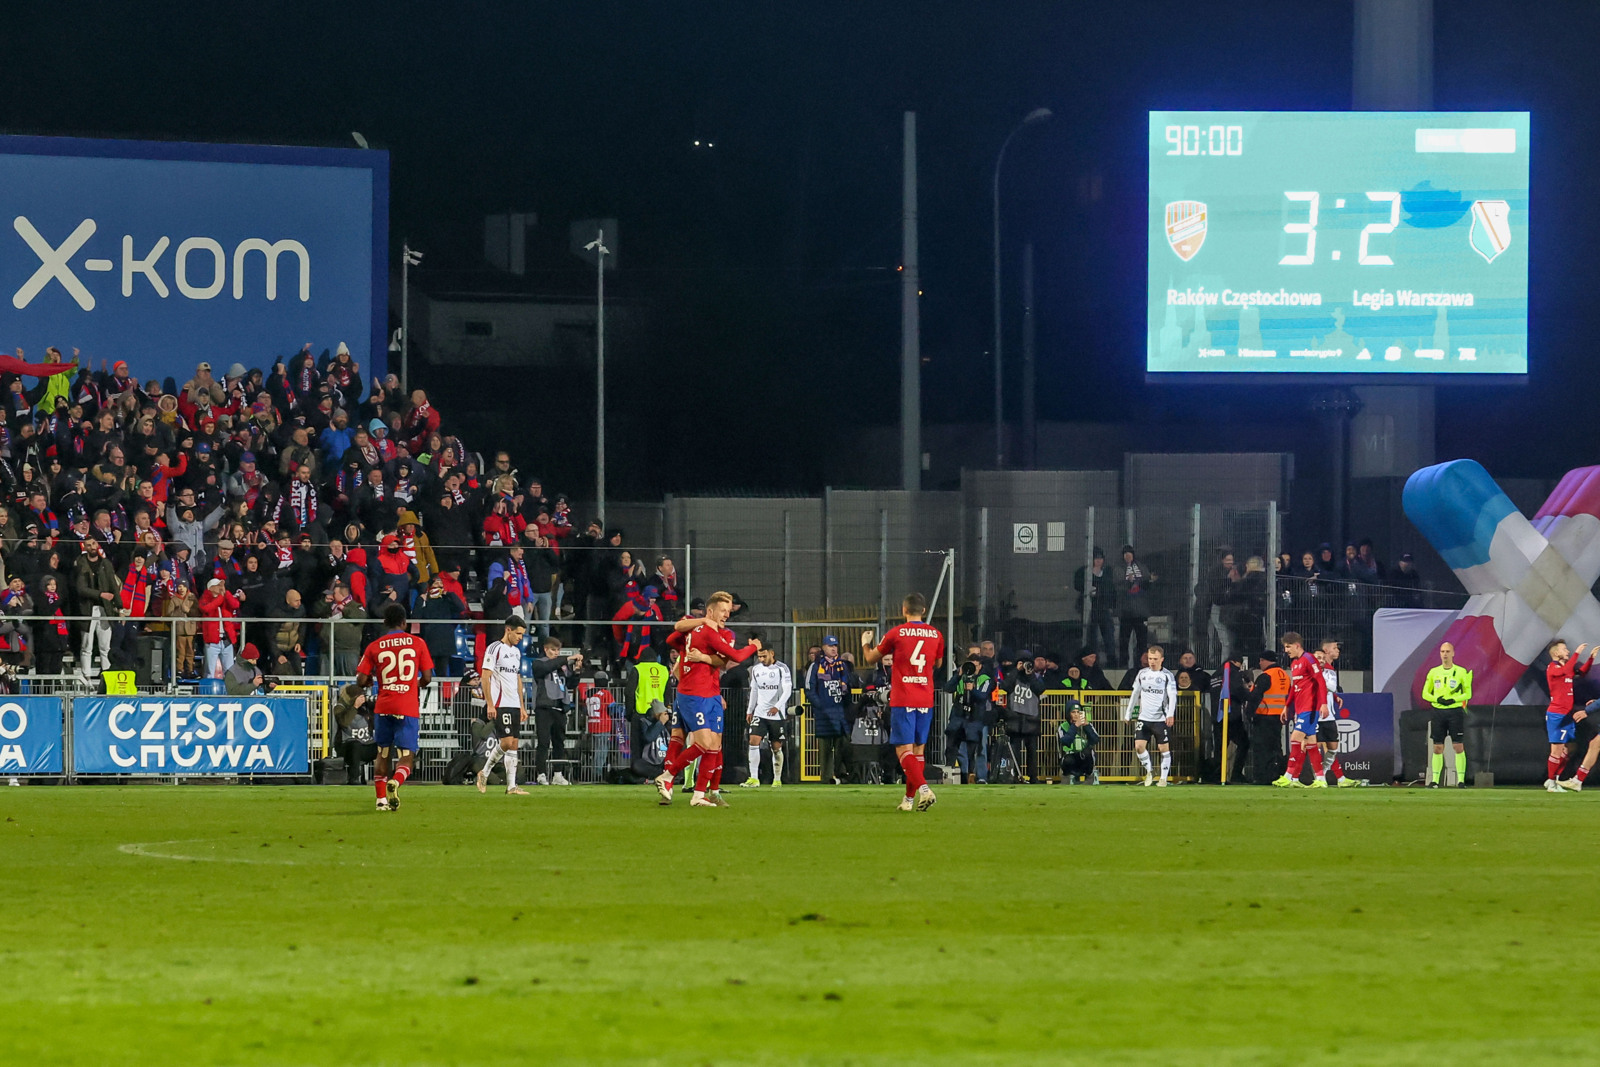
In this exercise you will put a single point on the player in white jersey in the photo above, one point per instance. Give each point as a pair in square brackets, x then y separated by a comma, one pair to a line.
[1328, 721]
[1155, 695]
[771, 686]
[501, 686]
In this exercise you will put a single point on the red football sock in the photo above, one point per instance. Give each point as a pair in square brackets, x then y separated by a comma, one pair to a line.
[1583, 772]
[674, 747]
[702, 774]
[1297, 755]
[1333, 765]
[381, 784]
[1553, 766]
[716, 769]
[1314, 753]
[684, 757]
[916, 778]
[400, 775]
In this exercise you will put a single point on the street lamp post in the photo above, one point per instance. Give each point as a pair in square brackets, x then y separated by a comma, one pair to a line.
[1038, 114]
[409, 258]
[598, 247]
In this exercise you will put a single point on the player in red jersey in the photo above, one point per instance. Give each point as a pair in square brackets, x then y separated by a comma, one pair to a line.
[916, 649]
[1308, 692]
[1560, 726]
[703, 646]
[402, 666]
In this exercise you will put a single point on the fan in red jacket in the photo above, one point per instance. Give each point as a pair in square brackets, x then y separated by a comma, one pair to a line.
[420, 421]
[503, 527]
[631, 628]
[219, 626]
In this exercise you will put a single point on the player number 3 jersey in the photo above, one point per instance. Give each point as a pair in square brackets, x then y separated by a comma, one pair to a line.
[917, 649]
[1155, 694]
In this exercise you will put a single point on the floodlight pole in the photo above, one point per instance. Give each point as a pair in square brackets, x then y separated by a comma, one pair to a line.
[1038, 114]
[598, 247]
[408, 258]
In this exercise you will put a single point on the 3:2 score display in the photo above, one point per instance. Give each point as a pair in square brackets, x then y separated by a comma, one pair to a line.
[1313, 202]
[1206, 140]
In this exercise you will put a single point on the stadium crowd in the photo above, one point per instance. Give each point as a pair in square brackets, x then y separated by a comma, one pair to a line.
[303, 493]
[1323, 592]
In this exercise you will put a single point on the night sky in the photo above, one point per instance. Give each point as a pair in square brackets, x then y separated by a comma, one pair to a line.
[768, 261]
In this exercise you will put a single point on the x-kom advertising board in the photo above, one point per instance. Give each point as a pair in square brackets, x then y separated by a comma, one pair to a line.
[1338, 243]
[165, 254]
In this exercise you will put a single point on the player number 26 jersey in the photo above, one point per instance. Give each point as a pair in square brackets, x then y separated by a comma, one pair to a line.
[917, 649]
[397, 661]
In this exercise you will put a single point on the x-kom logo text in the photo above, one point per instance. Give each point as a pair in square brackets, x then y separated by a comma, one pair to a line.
[55, 264]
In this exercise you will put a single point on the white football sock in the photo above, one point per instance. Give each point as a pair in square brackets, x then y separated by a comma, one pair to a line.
[1144, 761]
[1166, 765]
[511, 768]
[755, 760]
[777, 764]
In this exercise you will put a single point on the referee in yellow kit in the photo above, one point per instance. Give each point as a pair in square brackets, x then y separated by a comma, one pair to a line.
[1447, 689]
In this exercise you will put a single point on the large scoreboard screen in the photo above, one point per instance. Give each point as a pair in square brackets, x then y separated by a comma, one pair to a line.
[1387, 243]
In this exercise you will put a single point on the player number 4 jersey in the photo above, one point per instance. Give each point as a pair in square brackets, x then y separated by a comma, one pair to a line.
[917, 649]
[397, 661]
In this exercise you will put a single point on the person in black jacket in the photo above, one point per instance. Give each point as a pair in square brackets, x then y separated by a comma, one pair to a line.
[450, 529]
[436, 608]
[1089, 666]
[1099, 628]
[1017, 693]
[543, 566]
[554, 680]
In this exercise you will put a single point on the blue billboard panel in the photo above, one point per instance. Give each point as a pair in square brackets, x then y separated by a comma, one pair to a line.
[1367, 748]
[190, 735]
[30, 735]
[166, 254]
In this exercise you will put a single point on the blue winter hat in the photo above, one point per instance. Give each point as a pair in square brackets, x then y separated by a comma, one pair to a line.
[651, 592]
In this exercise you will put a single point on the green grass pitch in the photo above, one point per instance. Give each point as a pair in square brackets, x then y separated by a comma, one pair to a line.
[211, 925]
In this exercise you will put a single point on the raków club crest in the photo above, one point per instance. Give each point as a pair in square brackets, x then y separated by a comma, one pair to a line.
[1186, 227]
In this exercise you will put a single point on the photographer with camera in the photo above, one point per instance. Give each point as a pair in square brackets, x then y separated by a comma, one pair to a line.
[553, 686]
[1078, 738]
[971, 714]
[1017, 697]
[870, 750]
[357, 739]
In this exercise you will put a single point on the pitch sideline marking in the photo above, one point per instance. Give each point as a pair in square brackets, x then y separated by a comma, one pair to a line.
[147, 850]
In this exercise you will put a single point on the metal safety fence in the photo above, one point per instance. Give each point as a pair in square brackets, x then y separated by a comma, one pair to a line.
[1115, 756]
[583, 747]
